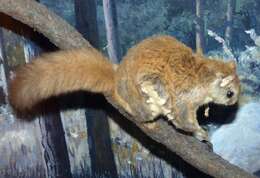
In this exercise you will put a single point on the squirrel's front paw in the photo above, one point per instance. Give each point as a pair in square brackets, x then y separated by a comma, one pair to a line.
[201, 135]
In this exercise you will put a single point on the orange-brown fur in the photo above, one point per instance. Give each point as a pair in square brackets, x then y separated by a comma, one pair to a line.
[58, 73]
[158, 76]
[187, 80]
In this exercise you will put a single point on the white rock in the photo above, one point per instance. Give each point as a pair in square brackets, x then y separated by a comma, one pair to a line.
[239, 141]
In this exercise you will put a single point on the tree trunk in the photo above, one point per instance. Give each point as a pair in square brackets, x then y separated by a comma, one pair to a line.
[3, 72]
[229, 14]
[42, 153]
[54, 146]
[101, 154]
[199, 26]
[86, 20]
[113, 46]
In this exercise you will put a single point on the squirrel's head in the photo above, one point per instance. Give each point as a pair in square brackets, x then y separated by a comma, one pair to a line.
[225, 88]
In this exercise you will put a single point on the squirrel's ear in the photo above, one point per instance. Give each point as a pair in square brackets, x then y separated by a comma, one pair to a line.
[227, 80]
[223, 80]
[153, 89]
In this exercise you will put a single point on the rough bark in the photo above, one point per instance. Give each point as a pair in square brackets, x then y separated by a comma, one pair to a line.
[188, 148]
[20, 142]
[199, 26]
[54, 146]
[113, 47]
[3, 71]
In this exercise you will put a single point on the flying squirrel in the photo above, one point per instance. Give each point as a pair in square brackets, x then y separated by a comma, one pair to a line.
[159, 76]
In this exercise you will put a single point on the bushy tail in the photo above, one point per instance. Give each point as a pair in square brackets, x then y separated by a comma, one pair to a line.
[60, 73]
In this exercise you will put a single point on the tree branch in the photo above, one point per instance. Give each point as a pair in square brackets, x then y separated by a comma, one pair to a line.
[64, 36]
[37, 16]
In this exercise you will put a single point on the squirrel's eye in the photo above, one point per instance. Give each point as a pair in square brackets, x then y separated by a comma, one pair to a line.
[230, 93]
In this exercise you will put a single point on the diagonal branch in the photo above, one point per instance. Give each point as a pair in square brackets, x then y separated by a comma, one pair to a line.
[64, 36]
[37, 16]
